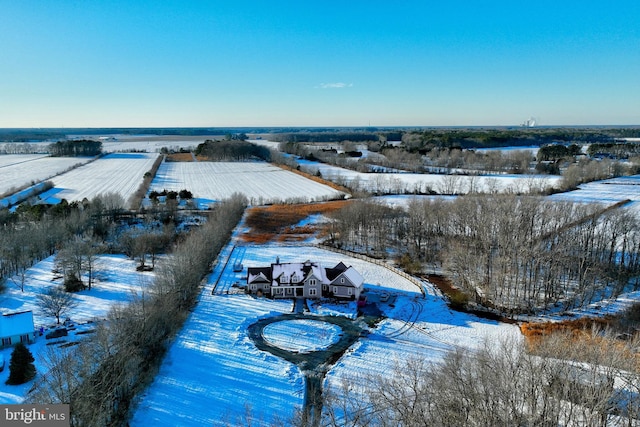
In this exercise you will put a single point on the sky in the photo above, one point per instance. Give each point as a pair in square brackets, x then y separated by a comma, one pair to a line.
[198, 63]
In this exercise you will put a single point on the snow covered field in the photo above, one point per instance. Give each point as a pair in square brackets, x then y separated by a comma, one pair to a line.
[120, 173]
[151, 143]
[608, 191]
[117, 280]
[261, 182]
[413, 182]
[17, 170]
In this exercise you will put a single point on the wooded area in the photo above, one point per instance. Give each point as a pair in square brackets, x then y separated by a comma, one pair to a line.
[75, 148]
[511, 253]
[232, 151]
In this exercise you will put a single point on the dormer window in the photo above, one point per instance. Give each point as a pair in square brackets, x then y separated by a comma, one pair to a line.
[284, 279]
[294, 278]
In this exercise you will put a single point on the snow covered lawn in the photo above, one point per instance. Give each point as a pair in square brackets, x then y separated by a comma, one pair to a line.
[261, 182]
[301, 335]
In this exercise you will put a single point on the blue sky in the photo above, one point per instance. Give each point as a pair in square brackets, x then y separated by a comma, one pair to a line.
[318, 63]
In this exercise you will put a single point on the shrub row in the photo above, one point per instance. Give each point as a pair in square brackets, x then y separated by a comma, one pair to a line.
[136, 198]
[108, 370]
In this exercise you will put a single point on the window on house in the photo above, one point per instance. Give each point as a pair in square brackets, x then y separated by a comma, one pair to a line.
[24, 338]
[284, 279]
[6, 341]
[289, 290]
[312, 292]
[350, 291]
[312, 282]
[342, 280]
[294, 278]
[335, 289]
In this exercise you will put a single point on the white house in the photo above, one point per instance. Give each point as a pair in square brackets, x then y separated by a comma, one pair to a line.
[15, 328]
[305, 280]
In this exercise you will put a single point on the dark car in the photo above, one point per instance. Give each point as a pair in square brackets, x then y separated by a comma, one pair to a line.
[57, 333]
[362, 300]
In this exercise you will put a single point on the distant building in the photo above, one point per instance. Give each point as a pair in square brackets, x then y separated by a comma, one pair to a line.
[305, 280]
[15, 328]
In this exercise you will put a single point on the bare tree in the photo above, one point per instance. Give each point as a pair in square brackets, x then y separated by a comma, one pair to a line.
[77, 257]
[55, 302]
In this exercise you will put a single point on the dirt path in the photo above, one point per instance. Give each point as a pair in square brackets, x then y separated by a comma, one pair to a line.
[314, 365]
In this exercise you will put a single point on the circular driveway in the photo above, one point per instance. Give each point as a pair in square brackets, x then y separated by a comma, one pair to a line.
[298, 349]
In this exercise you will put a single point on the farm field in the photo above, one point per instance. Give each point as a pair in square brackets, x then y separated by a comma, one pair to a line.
[17, 170]
[15, 159]
[119, 173]
[400, 183]
[260, 182]
[152, 143]
[608, 191]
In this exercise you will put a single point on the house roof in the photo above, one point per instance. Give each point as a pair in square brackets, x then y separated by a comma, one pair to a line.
[302, 270]
[354, 277]
[334, 272]
[20, 323]
[262, 274]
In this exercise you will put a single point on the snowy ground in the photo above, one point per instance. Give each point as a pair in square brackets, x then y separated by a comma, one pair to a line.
[213, 370]
[120, 173]
[301, 335]
[17, 170]
[150, 143]
[116, 282]
[260, 182]
[414, 182]
[608, 191]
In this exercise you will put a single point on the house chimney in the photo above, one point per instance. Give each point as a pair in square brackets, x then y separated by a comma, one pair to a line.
[277, 260]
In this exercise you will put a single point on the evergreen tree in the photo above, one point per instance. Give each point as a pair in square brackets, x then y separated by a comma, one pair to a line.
[21, 367]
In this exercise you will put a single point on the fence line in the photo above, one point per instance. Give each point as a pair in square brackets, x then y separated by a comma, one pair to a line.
[376, 261]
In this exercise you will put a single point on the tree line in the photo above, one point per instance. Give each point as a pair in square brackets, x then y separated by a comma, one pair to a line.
[420, 140]
[229, 150]
[75, 148]
[512, 253]
[22, 148]
[617, 150]
[327, 137]
[563, 381]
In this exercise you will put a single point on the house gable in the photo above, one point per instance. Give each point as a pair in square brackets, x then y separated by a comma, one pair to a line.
[16, 327]
[258, 274]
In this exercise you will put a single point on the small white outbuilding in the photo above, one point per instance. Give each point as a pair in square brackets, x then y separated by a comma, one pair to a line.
[15, 328]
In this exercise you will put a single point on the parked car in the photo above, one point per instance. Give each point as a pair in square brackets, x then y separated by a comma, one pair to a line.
[362, 300]
[57, 333]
